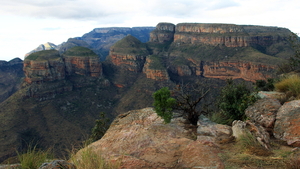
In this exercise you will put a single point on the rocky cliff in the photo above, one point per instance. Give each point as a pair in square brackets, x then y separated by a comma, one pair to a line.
[129, 54]
[207, 50]
[49, 65]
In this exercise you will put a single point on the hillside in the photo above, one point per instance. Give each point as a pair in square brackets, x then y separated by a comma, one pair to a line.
[63, 92]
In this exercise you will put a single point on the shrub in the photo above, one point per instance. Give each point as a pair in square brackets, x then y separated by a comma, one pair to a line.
[33, 158]
[101, 126]
[234, 99]
[265, 85]
[289, 84]
[163, 103]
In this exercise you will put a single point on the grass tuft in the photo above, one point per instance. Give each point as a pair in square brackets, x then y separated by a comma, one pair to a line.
[33, 158]
[87, 159]
[289, 84]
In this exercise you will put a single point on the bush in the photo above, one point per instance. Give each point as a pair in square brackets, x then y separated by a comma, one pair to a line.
[33, 158]
[289, 84]
[163, 103]
[101, 126]
[234, 99]
[263, 85]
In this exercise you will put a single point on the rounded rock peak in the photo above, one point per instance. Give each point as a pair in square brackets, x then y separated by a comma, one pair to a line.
[80, 51]
[165, 26]
[44, 55]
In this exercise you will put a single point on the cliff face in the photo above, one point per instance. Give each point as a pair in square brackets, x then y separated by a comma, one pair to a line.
[129, 54]
[82, 61]
[45, 69]
[164, 32]
[244, 70]
[154, 70]
[45, 66]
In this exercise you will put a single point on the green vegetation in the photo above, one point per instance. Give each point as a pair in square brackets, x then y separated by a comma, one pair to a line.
[130, 45]
[263, 85]
[44, 55]
[289, 84]
[33, 158]
[80, 51]
[156, 62]
[163, 103]
[101, 126]
[233, 101]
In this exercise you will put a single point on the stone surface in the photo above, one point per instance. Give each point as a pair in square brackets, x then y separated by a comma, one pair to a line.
[210, 132]
[42, 70]
[58, 164]
[271, 94]
[239, 128]
[287, 122]
[264, 112]
[158, 74]
[244, 70]
[129, 54]
[140, 139]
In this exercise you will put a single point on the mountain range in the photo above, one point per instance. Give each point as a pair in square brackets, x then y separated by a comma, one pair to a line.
[55, 102]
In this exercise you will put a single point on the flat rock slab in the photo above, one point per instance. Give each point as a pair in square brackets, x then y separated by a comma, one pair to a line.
[140, 139]
[287, 125]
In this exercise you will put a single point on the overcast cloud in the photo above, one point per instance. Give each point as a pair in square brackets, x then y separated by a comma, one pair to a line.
[27, 23]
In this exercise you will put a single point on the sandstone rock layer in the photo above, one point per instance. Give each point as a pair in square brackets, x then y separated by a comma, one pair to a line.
[139, 139]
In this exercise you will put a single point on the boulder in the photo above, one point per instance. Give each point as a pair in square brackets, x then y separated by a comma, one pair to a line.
[263, 112]
[239, 128]
[213, 133]
[287, 126]
[140, 139]
[271, 94]
[58, 164]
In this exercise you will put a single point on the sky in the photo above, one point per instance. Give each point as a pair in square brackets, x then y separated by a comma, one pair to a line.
[25, 24]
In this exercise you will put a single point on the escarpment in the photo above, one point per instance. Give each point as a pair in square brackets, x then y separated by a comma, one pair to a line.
[49, 65]
[205, 50]
[129, 54]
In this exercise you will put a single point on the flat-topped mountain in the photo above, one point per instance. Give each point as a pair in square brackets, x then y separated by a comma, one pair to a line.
[64, 90]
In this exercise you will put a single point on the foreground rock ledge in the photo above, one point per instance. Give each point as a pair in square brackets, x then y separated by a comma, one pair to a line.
[140, 139]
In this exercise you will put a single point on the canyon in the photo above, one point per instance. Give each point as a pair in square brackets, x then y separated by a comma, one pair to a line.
[64, 90]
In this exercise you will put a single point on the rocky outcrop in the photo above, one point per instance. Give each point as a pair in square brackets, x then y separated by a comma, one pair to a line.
[82, 61]
[287, 126]
[212, 133]
[264, 113]
[229, 35]
[129, 54]
[244, 70]
[44, 66]
[49, 65]
[240, 128]
[154, 69]
[140, 139]
[164, 32]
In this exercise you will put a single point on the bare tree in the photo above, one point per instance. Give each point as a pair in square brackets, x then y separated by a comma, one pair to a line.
[188, 98]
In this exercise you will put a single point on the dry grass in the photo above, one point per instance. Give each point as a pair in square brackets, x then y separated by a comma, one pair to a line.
[290, 85]
[89, 159]
[234, 156]
[33, 158]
